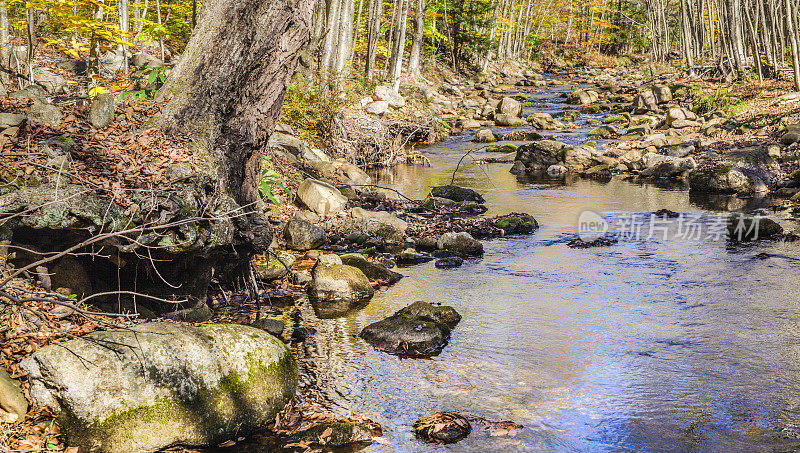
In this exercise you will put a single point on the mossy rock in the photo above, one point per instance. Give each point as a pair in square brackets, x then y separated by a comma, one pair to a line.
[337, 434]
[743, 228]
[593, 122]
[516, 224]
[162, 384]
[419, 330]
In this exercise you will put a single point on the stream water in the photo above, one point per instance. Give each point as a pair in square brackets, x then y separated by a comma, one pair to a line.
[662, 343]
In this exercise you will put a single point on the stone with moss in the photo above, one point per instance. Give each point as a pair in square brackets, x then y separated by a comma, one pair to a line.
[162, 384]
[418, 330]
[337, 434]
[336, 289]
[516, 223]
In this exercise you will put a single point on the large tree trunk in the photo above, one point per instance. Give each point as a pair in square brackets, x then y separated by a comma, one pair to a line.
[416, 42]
[227, 92]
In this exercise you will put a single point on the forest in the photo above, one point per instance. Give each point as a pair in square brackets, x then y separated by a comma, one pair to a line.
[399, 225]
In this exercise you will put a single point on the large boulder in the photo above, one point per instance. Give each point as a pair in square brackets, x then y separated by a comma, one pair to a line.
[10, 120]
[377, 107]
[645, 102]
[670, 167]
[158, 385]
[539, 155]
[53, 82]
[387, 94]
[509, 106]
[484, 136]
[662, 93]
[296, 147]
[44, 113]
[418, 330]
[143, 60]
[321, 197]
[544, 121]
[791, 135]
[338, 288]
[679, 118]
[744, 171]
[456, 193]
[373, 271]
[101, 110]
[461, 243]
[303, 235]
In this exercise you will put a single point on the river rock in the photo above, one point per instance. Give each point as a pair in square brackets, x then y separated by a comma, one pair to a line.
[662, 94]
[461, 243]
[509, 106]
[602, 132]
[157, 385]
[678, 118]
[744, 171]
[456, 193]
[449, 262]
[329, 259]
[296, 147]
[442, 427]
[377, 107]
[544, 121]
[302, 235]
[386, 93]
[418, 330]
[270, 325]
[791, 135]
[743, 227]
[13, 405]
[373, 271]
[484, 136]
[381, 216]
[502, 119]
[277, 266]
[321, 197]
[645, 102]
[338, 288]
[670, 167]
[101, 110]
[516, 224]
[583, 97]
[375, 228]
[539, 155]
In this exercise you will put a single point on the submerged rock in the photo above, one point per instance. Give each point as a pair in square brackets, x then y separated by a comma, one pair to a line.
[162, 384]
[742, 228]
[516, 223]
[449, 262]
[337, 434]
[442, 427]
[456, 193]
[419, 330]
[338, 288]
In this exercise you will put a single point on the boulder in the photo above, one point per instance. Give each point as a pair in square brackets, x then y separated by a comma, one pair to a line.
[77, 67]
[418, 330]
[516, 224]
[41, 112]
[539, 155]
[270, 325]
[456, 193]
[670, 167]
[484, 136]
[387, 94]
[791, 135]
[276, 266]
[678, 117]
[302, 235]
[645, 102]
[156, 385]
[461, 243]
[101, 110]
[321, 197]
[602, 132]
[377, 107]
[509, 106]
[449, 262]
[338, 288]
[373, 271]
[744, 171]
[51, 81]
[374, 228]
[503, 119]
[381, 216]
[10, 120]
[662, 94]
[143, 60]
[582, 97]
[13, 405]
[544, 121]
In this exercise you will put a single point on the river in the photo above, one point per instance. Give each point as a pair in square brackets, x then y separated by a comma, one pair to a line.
[664, 341]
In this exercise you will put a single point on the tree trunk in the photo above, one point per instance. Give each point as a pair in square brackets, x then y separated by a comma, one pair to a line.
[374, 34]
[416, 42]
[398, 46]
[791, 20]
[227, 91]
[5, 45]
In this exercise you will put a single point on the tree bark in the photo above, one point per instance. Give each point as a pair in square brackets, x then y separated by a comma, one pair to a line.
[227, 91]
[416, 42]
[376, 14]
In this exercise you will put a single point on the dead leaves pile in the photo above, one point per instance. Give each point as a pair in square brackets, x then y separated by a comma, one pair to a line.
[117, 160]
